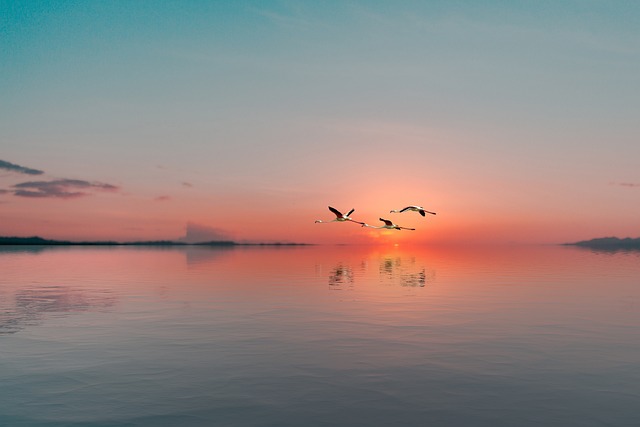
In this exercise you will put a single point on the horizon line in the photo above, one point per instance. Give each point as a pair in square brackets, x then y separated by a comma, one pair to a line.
[40, 241]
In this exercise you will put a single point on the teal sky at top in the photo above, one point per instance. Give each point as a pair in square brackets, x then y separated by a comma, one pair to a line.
[469, 56]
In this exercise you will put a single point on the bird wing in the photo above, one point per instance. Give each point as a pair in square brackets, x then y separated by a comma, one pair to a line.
[364, 224]
[404, 209]
[350, 212]
[422, 212]
[386, 221]
[336, 211]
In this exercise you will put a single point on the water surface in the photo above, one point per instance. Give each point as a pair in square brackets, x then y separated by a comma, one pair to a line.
[319, 336]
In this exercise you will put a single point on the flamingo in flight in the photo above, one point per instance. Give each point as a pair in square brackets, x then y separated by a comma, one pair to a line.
[340, 217]
[388, 224]
[415, 209]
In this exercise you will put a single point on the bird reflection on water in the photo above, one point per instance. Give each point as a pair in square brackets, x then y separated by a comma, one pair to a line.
[395, 271]
[392, 271]
[341, 277]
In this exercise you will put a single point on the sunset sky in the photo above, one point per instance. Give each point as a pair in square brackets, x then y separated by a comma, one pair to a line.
[134, 120]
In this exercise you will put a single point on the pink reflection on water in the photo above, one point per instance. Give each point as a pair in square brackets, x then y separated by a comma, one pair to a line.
[509, 285]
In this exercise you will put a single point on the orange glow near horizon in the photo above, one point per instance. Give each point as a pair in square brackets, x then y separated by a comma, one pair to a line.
[280, 218]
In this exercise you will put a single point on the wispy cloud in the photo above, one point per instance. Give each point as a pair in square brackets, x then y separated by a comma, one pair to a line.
[20, 169]
[162, 198]
[61, 188]
[626, 184]
[187, 184]
[292, 18]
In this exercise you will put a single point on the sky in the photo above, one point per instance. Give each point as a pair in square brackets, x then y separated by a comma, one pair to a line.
[514, 121]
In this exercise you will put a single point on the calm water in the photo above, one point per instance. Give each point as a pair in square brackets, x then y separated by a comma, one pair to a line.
[319, 336]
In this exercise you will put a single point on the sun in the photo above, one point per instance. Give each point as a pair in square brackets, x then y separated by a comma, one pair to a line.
[385, 237]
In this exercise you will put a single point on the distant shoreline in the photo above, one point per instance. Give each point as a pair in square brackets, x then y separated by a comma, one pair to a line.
[601, 243]
[609, 243]
[39, 241]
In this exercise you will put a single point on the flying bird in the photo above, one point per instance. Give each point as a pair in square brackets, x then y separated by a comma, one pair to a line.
[415, 209]
[387, 224]
[340, 217]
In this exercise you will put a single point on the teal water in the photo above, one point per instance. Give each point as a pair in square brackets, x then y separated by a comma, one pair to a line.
[319, 336]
